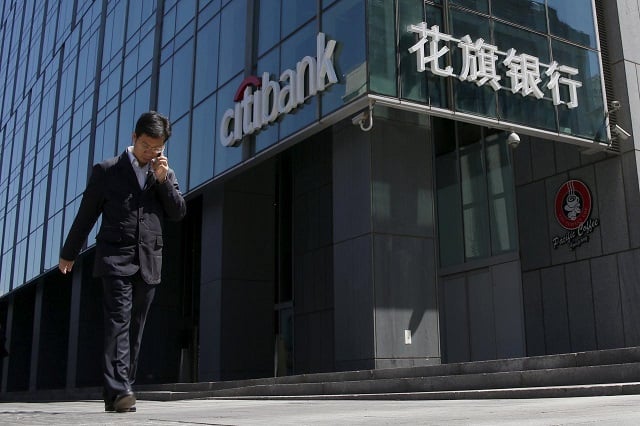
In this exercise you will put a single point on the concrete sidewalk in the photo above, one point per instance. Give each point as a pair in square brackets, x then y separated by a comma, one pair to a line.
[602, 410]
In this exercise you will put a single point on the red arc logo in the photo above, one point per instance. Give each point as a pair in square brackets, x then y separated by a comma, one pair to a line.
[573, 204]
[252, 80]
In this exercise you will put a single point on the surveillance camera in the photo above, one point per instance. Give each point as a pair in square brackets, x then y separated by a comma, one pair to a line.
[620, 132]
[513, 140]
[364, 120]
[359, 119]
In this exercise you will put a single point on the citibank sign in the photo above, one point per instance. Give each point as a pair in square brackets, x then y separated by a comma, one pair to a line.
[261, 101]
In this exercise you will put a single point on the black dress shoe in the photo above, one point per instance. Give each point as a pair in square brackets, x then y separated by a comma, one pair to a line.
[109, 408]
[124, 401]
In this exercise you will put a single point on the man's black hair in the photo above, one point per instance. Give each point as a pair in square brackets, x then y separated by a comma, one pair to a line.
[153, 124]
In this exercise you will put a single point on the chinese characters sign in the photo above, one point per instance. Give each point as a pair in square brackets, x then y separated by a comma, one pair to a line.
[480, 61]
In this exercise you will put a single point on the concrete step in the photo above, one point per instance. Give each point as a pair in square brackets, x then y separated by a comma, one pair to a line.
[605, 372]
[543, 378]
[608, 389]
[547, 362]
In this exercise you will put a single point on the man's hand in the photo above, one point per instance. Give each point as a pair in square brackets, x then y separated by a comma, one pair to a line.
[160, 166]
[65, 265]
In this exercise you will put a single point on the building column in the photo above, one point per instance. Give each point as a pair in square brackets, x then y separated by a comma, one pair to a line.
[386, 312]
[74, 320]
[6, 329]
[35, 337]
[209, 364]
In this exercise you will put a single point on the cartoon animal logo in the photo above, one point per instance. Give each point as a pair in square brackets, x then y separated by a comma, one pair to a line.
[573, 204]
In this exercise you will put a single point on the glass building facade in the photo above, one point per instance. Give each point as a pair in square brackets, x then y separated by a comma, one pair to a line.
[76, 76]
[331, 215]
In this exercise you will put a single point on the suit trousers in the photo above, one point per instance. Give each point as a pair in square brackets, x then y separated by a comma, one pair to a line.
[126, 302]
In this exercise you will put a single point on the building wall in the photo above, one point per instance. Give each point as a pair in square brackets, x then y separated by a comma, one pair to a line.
[587, 298]
[580, 299]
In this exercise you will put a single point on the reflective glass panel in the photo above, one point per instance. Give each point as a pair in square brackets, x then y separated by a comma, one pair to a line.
[474, 202]
[226, 157]
[182, 78]
[515, 107]
[232, 41]
[468, 96]
[293, 50]
[295, 13]
[268, 24]
[203, 140]
[529, 13]
[344, 22]
[382, 45]
[588, 118]
[270, 63]
[414, 85]
[176, 150]
[500, 189]
[573, 20]
[479, 5]
[451, 247]
[164, 86]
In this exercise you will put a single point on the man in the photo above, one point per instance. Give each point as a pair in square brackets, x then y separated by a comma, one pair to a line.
[134, 193]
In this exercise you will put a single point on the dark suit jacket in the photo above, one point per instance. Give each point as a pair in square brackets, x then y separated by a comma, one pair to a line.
[130, 235]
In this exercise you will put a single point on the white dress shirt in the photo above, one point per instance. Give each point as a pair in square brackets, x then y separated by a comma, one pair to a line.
[141, 171]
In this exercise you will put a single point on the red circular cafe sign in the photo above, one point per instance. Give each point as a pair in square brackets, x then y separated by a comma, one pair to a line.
[573, 204]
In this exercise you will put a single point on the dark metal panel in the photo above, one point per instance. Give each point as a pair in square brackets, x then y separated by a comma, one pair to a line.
[508, 310]
[608, 307]
[482, 334]
[456, 320]
[629, 268]
[580, 307]
[533, 315]
[556, 319]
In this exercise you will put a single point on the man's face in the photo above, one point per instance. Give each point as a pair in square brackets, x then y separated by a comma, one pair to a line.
[146, 148]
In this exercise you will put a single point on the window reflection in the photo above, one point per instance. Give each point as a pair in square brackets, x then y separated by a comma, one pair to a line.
[291, 51]
[344, 22]
[469, 97]
[232, 41]
[181, 81]
[500, 191]
[203, 140]
[475, 190]
[572, 20]
[226, 157]
[514, 107]
[382, 44]
[294, 14]
[509, 37]
[449, 208]
[529, 13]
[177, 150]
[588, 120]
[270, 63]
[413, 85]
[268, 24]
[479, 5]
